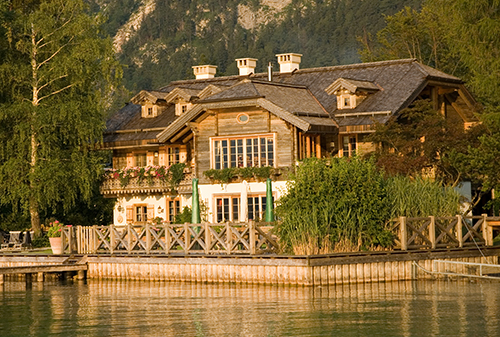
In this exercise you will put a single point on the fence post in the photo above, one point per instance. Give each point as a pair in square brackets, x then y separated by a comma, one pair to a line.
[460, 235]
[403, 233]
[111, 238]
[432, 231]
[207, 238]
[187, 240]
[229, 237]
[148, 238]
[94, 239]
[487, 239]
[251, 229]
[129, 238]
[78, 239]
[167, 238]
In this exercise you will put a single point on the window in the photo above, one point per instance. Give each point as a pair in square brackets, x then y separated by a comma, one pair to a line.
[119, 162]
[227, 208]
[256, 207]
[242, 118]
[173, 209]
[346, 101]
[184, 108]
[349, 146]
[141, 213]
[156, 158]
[141, 159]
[243, 152]
[173, 155]
[149, 111]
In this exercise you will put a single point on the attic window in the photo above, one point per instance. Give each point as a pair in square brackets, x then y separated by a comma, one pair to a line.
[149, 111]
[346, 101]
[181, 107]
[242, 118]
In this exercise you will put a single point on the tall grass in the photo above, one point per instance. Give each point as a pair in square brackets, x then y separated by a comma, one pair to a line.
[345, 205]
[421, 197]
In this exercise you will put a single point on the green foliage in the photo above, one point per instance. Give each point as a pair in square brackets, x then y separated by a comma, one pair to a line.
[172, 175]
[420, 197]
[343, 201]
[176, 172]
[171, 38]
[459, 37]
[344, 205]
[183, 217]
[55, 229]
[40, 242]
[225, 176]
[479, 163]
[55, 77]
[420, 141]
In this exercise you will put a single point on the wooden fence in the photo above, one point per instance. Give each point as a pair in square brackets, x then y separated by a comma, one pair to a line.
[443, 232]
[256, 238]
[245, 238]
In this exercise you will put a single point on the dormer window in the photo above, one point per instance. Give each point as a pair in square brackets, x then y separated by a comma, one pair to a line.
[347, 102]
[350, 93]
[149, 111]
[181, 107]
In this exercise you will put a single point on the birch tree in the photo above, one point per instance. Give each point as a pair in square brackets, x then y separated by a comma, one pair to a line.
[56, 77]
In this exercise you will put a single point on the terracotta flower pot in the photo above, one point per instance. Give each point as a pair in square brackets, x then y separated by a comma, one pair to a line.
[56, 245]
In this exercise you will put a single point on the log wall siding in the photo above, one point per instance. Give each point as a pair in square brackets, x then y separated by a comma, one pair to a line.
[220, 124]
[253, 271]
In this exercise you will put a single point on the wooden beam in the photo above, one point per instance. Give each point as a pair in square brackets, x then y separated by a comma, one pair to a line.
[318, 146]
[308, 146]
[188, 138]
[179, 135]
[42, 269]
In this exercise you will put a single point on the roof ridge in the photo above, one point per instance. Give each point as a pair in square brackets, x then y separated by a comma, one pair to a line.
[298, 86]
[306, 70]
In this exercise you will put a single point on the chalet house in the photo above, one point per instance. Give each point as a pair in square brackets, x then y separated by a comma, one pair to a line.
[257, 120]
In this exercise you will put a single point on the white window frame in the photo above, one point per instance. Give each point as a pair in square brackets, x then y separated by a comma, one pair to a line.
[234, 213]
[214, 141]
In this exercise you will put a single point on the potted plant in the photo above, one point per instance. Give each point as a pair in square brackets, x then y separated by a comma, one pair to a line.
[54, 234]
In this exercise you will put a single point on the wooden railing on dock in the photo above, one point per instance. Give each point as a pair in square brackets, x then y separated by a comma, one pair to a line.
[245, 238]
[443, 232]
[256, 238]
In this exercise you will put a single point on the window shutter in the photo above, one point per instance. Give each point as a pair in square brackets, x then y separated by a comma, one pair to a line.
[130, 214]
[151, 212]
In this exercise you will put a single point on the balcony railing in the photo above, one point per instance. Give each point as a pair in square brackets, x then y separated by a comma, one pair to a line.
[114, 186]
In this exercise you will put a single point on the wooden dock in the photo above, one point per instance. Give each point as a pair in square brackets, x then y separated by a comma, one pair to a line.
[29, 269]
[313, 270]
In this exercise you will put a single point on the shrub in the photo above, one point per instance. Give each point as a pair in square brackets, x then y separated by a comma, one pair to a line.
[334, 205]
[345, 205]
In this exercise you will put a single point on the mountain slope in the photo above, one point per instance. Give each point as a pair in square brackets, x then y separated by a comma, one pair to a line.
[160, 40]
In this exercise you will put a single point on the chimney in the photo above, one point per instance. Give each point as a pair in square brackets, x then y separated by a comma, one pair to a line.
[206, 71]
[246, 66]
[288, 62]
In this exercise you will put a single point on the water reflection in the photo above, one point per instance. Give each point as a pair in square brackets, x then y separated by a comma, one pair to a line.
[105, 308]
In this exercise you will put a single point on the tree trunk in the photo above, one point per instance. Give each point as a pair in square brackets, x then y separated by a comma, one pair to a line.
[35, 217]
[34, 211]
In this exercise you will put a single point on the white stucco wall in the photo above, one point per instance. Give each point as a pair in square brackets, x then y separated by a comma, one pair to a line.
[207, 194]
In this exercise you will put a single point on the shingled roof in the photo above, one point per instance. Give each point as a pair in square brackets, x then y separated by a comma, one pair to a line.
[300, 96]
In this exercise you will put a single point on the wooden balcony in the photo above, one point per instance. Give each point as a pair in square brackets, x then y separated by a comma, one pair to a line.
[112, 187]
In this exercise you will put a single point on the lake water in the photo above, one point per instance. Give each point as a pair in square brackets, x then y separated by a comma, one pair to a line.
[119, 308]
